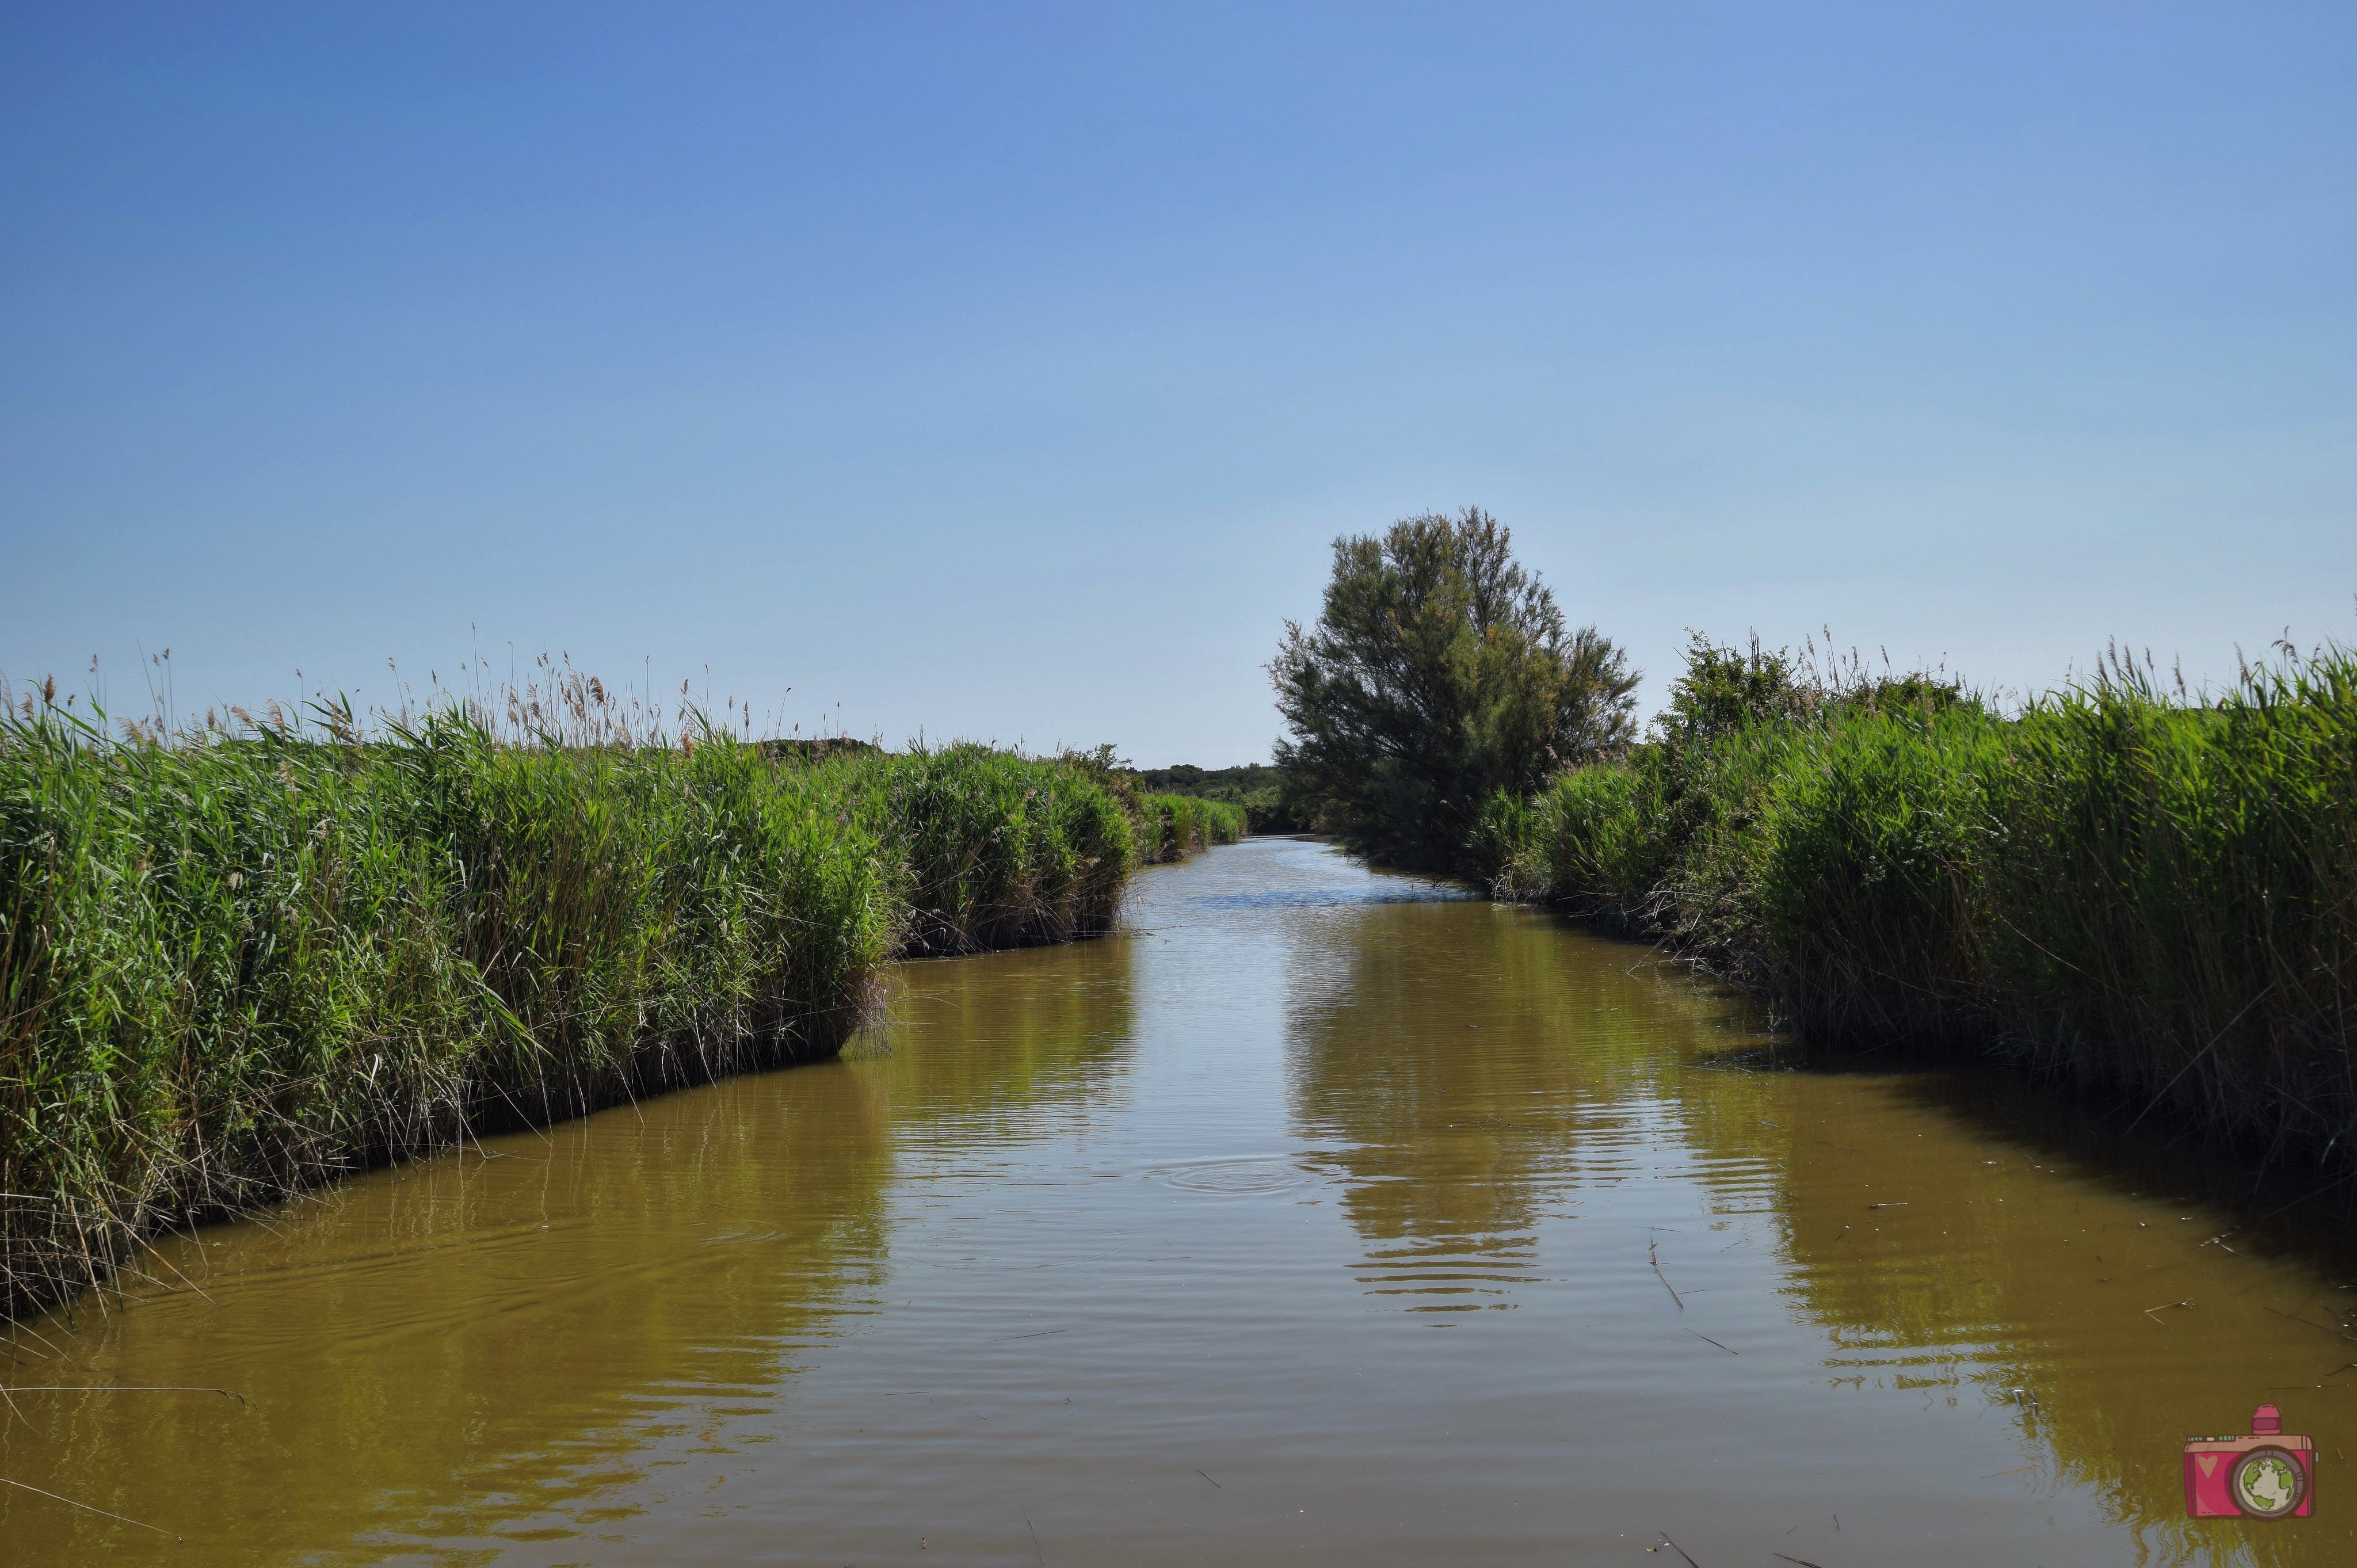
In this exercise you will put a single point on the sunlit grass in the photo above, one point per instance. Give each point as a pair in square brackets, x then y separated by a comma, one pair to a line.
[2150, 894]
[239, 959]
[1171, 827]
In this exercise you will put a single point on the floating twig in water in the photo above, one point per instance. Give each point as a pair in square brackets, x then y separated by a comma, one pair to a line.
[1679, 1550]
[1708, 1340]
[1666, 1285]
[122, 1389]
[1209, 1478]
[2167, 1304]
[1803, 1562]
[2318, 1327]
[86, 1508]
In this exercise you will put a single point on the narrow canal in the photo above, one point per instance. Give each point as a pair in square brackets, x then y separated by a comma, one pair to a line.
[1319, 1218]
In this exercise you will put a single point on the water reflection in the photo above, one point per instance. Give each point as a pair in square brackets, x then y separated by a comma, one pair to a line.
[983, 1045]
[1976, 1235]
[1478, 1070]
[1959, 1238]
[1321, 1216]
[510, 1346]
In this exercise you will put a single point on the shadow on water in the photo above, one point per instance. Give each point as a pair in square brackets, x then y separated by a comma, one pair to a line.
[2122, 1286]
[2115, 1295]
[2133, 1285]
[2272, 1209]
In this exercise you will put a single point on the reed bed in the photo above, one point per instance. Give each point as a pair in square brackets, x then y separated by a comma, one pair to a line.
[2145, 894]
[237, 961]
[1172, 827]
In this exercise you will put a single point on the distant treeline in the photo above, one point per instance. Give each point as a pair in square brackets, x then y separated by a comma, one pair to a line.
[2140, 887]
[1257, 787]
[1172, 826]
[239, 961]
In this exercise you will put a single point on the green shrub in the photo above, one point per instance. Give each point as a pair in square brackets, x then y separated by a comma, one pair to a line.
[1439, 674]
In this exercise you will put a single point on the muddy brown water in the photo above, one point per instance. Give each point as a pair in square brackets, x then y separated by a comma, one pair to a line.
[1319, 1218]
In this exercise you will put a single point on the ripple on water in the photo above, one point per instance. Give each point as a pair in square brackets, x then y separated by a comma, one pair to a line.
[1336, 898]
[1243, 1175]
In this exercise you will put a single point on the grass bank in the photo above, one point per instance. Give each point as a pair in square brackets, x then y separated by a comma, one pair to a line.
[233, 964]
[2149, 895]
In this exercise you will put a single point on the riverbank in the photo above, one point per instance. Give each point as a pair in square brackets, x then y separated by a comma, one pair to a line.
[998, 1250]
[235, 966]
[2152, 898]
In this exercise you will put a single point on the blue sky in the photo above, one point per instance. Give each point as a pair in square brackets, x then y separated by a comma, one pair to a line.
[1005, 372]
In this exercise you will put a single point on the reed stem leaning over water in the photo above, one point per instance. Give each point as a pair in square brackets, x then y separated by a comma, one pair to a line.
[2157, 897]
[237, 961]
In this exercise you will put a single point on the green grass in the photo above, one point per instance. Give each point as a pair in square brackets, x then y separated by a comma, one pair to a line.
[2153, 898]
[237, 964]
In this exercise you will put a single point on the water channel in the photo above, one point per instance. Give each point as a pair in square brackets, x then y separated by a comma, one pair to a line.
[1320, 1216]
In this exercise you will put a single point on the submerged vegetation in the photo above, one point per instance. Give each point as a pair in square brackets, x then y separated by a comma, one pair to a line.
[236, 960]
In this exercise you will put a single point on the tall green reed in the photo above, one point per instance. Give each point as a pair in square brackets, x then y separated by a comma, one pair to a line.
[2149, 896]
[1172, 827]
[233, 963]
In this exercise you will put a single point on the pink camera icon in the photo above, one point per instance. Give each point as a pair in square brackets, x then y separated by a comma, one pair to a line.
[2268, 1474]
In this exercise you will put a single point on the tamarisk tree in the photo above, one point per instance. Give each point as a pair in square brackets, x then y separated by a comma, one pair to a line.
[1439, 673]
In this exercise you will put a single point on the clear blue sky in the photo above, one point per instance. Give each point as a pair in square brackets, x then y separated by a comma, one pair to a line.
[1005, 372]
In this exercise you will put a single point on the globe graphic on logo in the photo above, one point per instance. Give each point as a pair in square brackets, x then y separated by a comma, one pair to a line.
[2268, 1483]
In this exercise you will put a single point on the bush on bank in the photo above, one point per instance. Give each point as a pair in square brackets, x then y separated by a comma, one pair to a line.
[235, 964]
[2148, 895]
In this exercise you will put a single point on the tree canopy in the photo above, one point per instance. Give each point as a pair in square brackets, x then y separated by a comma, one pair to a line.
[1439, 672]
